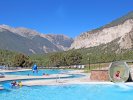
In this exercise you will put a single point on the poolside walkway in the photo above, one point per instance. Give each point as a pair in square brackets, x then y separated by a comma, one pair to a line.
[19, 77]
[58, 81]
[4, 71]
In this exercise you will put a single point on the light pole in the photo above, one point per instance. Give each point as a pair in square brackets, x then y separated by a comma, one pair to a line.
[88, 54]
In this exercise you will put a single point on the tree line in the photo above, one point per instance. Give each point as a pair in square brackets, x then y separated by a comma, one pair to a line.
[14, 59]
[66, 58]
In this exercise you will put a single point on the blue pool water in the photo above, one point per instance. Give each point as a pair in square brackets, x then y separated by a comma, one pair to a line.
[70, 92]
[40, 72]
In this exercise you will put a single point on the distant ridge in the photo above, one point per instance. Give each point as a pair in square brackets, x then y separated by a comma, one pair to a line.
[30, 41]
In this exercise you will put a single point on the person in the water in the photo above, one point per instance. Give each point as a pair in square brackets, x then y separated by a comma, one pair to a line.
[20, 84]
[14, 83]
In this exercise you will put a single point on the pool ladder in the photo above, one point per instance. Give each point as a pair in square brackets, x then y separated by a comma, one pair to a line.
[58, 79]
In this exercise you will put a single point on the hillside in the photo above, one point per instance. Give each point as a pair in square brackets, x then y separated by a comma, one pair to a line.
[120, 29]
[30, 41]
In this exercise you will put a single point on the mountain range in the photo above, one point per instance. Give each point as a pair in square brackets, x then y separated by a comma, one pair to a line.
[30, 41]
[118, 35]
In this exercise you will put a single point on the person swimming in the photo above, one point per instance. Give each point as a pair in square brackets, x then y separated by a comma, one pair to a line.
[14, 83]
[20, 84]
[44, 74]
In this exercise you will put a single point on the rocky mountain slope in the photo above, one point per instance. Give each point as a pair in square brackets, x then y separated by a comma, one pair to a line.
[30, 41]
[120, 30]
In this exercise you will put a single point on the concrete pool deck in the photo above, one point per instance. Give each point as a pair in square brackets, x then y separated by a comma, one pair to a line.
[19, 77]
[4, 71]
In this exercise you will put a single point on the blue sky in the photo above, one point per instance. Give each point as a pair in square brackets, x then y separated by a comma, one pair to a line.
[69, 17]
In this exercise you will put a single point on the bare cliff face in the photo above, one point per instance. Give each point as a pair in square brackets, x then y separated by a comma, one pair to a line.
[123, 31]
[126, 41]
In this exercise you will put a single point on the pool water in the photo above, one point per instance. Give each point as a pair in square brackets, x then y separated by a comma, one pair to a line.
[70, 92]
[39, 73]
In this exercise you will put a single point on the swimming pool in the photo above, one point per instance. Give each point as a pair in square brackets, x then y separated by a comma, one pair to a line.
[70, 92]
[40, 72]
